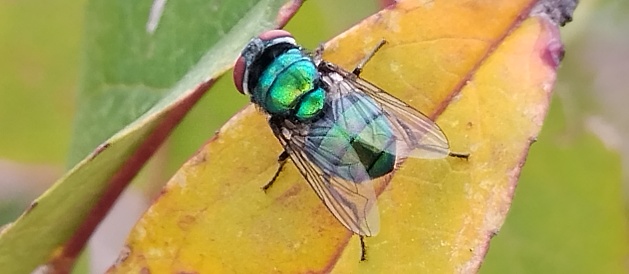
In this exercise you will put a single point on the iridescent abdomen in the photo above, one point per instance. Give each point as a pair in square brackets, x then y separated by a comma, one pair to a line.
[353, 140]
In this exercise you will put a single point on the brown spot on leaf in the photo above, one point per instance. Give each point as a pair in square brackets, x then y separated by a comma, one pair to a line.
[124, 254]
[31, 206]
[99, 150]
[294, 190]
[186, 221]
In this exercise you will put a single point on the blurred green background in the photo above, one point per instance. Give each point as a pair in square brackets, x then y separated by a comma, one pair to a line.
[568, 215]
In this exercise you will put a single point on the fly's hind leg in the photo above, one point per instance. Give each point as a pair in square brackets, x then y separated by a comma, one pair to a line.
[459, 155]
[363, 249]
[359, 67]
[281, 160]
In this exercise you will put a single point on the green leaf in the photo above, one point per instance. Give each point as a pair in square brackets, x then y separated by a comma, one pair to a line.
[130, 68]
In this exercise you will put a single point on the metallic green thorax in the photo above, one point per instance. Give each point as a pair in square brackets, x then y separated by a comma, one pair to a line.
[288, 86]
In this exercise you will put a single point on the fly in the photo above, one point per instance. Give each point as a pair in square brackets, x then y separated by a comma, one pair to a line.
[342, 132]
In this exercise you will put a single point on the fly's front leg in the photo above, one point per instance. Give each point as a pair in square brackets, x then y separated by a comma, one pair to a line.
[281, 160]
[359, 67]
[317, 55]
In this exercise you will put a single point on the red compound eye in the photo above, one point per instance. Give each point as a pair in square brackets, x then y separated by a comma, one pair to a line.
[239, 71]
[240, 66]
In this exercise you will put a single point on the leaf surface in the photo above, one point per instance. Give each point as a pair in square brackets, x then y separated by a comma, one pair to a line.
[484, 71]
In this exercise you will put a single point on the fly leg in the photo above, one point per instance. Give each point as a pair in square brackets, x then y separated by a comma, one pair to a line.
[459, 155]
[317, 57]
[359, 67]
[281, 160]
[363, 249]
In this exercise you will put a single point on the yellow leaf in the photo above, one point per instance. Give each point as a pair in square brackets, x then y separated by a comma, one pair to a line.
[484, 70]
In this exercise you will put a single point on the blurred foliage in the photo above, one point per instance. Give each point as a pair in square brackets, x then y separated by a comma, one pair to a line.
[7, 210]
[38, 77]
[566, 214]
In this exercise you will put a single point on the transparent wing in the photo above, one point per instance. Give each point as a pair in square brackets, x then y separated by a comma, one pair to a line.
[353, 204]
[417, 135]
